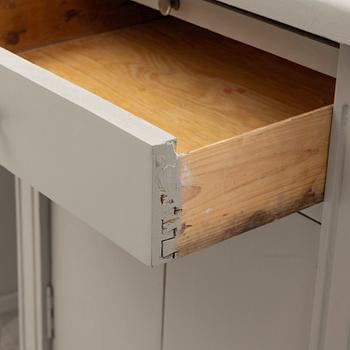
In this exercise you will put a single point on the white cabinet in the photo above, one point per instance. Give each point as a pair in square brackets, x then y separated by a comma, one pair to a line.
[157, 139]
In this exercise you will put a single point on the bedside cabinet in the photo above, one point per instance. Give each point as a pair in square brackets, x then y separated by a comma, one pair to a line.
[167, 171]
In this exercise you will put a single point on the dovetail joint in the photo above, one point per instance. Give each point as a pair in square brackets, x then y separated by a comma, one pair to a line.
[169, 227]
[168, 198]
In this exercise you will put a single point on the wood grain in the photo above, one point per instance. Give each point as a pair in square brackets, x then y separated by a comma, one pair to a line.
[31, 23]
[253, 127]
[252, 179]
[197, 85]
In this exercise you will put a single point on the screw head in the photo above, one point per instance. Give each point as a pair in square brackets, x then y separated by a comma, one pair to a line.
[165, 6]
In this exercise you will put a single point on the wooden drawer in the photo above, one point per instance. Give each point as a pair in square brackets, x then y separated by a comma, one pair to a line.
[163, 136]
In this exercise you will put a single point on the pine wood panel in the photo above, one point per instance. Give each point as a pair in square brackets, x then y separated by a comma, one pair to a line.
[248, 181]
[195, 84]
[30, 23]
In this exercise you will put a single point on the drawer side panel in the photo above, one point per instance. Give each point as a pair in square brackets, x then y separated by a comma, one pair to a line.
[250, 180]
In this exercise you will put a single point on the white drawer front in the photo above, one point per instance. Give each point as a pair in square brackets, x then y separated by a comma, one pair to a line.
[91, 157]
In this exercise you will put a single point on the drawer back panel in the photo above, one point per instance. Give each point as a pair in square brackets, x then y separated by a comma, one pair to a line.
[26, 24]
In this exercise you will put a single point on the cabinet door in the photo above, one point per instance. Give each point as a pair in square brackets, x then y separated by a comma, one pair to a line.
[103, 298]
[251, 293]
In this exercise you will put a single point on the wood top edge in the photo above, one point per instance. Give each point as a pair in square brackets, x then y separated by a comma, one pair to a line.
[257, 130]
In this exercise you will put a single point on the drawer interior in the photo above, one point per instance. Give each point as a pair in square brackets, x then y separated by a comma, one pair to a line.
[199, 86]
[252, 128]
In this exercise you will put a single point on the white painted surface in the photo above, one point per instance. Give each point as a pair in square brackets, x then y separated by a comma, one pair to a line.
[252, 292]
[8, 256]
[32, 219]
[104, 298]
[9, 339]
[91, 157]
[8, 303]
[315, 212]
[331, 316]
[327, 18]
[266, 36]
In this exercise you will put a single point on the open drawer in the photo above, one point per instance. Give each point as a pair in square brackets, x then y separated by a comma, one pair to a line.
[89, 123]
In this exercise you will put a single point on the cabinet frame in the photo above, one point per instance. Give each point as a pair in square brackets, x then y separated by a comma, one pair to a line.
[331, 315]
[34, 268]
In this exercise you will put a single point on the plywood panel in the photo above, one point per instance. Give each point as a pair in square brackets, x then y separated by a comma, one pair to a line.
[195, 84]
[237, 185]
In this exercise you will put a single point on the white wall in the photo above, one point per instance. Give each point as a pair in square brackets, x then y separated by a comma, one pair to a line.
[8, 257]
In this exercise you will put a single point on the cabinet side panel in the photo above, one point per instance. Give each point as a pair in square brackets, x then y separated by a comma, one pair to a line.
[245, 182]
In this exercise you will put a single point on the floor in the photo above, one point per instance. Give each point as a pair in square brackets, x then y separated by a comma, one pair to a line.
[9, 332]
